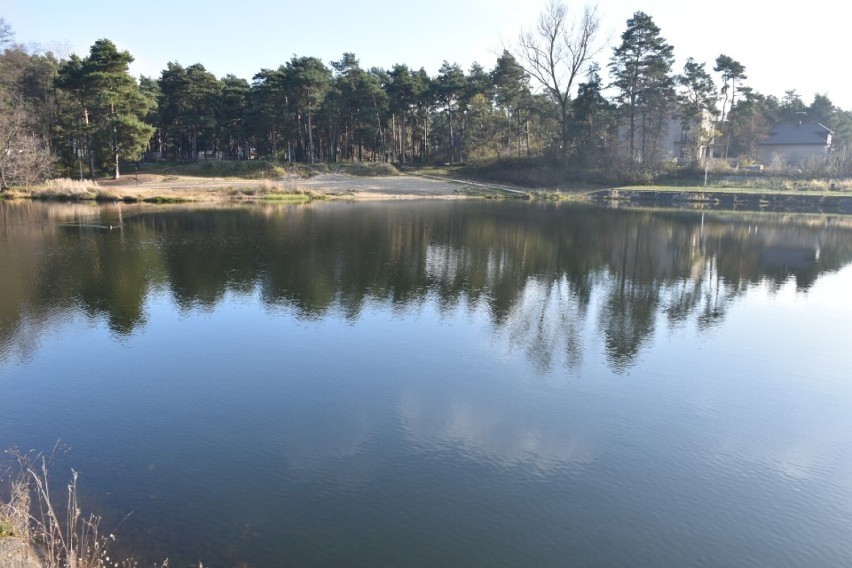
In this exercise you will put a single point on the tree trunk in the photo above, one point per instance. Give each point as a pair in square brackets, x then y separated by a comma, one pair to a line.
[310, 141]
[402, 136]
[115, 153]
[451, 141]
[426, 137]
[518, 132]
[89, 155]
[393, 137]
[631, 142]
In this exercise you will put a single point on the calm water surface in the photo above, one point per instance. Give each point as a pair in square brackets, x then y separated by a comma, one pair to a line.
[438, 384]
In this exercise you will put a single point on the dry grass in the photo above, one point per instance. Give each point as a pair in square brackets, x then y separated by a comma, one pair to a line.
[14, 519]
[246, 169]
[367, 169]
[65, 536]
[777, 183]
[286, 189]
[65, 188]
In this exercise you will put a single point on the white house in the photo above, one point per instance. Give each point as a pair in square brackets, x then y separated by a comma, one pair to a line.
[673, 139]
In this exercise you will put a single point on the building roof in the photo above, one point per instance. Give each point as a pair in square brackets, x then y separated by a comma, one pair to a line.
[810, 133]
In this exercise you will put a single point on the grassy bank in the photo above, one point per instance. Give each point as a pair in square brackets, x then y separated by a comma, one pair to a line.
[515, 178]
[261, 169]
[558, 175]
[203, 181]
[156, 188]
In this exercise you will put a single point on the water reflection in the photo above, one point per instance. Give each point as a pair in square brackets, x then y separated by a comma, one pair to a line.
[437, 384]
[535, 267]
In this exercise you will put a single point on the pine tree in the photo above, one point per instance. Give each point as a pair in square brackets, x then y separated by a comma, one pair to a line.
[112, 105]
[696, 99]
[641, 67]
[306, 82]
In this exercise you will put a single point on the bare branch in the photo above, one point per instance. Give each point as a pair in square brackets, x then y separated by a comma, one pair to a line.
[556, 54]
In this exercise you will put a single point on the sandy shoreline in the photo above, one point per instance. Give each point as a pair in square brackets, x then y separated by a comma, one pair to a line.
[327, 185]
[165, 188]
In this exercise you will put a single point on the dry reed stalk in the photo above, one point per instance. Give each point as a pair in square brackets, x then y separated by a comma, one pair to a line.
[66, 537]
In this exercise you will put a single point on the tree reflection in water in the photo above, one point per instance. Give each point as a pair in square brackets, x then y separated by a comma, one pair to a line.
[541, 271]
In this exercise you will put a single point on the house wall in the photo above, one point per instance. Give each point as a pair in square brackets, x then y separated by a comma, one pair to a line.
[672, 143]
[793, 153]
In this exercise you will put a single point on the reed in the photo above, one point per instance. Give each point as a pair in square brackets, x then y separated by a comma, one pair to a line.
[61, 535]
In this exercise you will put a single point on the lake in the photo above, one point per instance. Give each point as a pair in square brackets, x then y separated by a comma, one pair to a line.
[441, 383]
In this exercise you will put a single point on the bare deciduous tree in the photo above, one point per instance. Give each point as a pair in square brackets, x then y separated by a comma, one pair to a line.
[24, 158]
[558, 51]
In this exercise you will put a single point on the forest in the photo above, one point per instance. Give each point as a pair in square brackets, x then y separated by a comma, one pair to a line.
[544, 99]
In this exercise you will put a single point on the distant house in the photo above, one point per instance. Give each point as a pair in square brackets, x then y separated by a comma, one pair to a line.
[689, 138]
[796, 142]
[673, 139]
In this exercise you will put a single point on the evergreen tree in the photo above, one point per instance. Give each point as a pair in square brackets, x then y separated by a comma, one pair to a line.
[189, 101]
[231, 120]
[511, 95]
[792, 109]
[749, 122]
[404, 90]
[640, 67]
[595, 121]
[267, 111]
[732, 71]
[111, 103]
[360, 105]
[821, 110]
[450, 86]
[306, 82]
[696, 102]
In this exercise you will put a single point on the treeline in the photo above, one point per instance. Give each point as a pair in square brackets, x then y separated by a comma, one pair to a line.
[545, 97]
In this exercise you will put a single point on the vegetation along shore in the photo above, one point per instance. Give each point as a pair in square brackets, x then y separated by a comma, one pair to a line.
[546, 121]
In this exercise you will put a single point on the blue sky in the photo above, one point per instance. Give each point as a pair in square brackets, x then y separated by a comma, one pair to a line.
[781, 48]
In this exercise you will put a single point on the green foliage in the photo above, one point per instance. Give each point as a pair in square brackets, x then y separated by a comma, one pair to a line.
[595, 123]
[91, 111]
[641, 67]
[405, 90]
[306, 81]
[732, 71]
[355, 104]
[189, 101]
[792, 109]
[696, 101]
[7, 529]
[107, 123]
[368, 169]
[251, 169]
